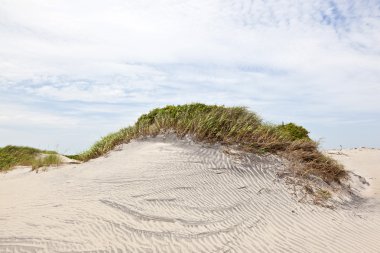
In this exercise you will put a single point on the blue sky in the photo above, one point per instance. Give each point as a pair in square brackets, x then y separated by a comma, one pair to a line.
[73, 71]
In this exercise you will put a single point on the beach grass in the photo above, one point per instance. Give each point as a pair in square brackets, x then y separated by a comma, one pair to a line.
[46, 161]
[235, 126]
[12, 156]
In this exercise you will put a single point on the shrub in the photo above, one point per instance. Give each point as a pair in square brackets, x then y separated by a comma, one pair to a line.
[293, 131]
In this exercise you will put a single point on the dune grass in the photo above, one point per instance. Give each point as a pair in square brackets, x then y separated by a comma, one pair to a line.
[45, 161]
[230, 126]
[11, 156]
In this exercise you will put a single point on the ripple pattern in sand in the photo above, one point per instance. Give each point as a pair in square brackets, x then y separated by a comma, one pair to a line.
[165, 195]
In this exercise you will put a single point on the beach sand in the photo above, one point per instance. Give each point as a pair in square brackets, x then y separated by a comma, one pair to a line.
[364, 162]
[168, 195]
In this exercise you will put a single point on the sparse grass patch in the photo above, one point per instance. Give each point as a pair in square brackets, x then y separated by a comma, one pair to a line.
[322, 197]
[45, 161]
[11, 156]
[230, 126]
[323, 194]
[107, 143]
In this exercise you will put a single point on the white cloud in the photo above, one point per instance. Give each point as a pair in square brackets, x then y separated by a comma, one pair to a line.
[13, 114]
[297, 60]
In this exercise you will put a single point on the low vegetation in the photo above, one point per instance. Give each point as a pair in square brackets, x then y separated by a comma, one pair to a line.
[12, 156]
[293, 131]
[230, 126]
[46, 160]
[323, 194]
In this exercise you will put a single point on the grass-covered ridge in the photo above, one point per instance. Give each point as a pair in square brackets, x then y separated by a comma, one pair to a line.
[11, 156]
[230, 126]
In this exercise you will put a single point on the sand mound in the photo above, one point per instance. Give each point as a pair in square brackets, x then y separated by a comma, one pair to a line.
[166, 195]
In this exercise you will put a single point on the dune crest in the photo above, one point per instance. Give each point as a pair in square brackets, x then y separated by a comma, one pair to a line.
[168, 195]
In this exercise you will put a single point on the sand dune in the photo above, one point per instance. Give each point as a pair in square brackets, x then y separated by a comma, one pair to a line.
[168, 195]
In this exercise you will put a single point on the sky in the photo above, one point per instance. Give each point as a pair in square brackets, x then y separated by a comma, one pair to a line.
[72, 71]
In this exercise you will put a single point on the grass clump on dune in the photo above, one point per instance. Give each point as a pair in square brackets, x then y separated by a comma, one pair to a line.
[12, 156]
[46, 160]
[230, 126]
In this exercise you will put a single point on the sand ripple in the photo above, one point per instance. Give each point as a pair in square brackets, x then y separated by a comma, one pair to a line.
[165, 195]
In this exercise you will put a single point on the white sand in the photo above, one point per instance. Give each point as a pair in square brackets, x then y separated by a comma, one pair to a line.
[364, 162]
[174, 196]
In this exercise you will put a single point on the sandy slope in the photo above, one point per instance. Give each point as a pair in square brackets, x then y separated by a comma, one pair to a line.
[165, 195]
[364, 162]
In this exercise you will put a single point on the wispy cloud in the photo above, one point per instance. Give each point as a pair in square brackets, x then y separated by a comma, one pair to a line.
[86, 63]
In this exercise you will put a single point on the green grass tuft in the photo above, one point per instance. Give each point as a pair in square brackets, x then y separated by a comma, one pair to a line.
[11, 156]
[229, 126]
